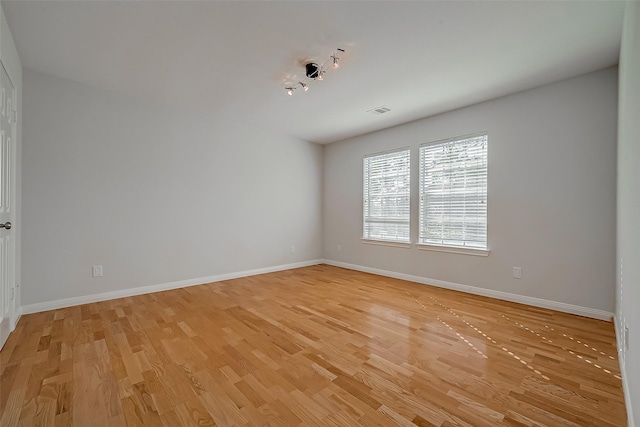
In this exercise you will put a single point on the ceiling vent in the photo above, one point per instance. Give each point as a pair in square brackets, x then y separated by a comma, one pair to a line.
[380, 110]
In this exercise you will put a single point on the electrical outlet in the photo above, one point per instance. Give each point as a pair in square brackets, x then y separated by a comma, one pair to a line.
[292, 249]
[517, 272]
[96, 271]
[339, 248]
[626, 338]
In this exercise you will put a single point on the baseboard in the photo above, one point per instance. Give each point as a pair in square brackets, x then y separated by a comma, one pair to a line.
[522, 299]
[87, 299]
[536, 302]
[623, 370]
[16, 318]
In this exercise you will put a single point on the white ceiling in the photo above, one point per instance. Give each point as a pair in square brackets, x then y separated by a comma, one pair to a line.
[235, 58]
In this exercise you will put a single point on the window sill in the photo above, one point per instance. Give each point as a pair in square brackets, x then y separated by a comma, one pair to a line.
[454, 249]
[386, 243]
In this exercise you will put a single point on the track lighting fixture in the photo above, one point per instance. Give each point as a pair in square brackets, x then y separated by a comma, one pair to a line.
[314, 71]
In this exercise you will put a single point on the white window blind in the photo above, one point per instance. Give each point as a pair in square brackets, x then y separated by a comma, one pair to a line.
[453, 192]
[387, 196]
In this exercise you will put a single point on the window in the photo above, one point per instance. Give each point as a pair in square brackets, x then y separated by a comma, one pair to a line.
[453, 192]
[386, 196]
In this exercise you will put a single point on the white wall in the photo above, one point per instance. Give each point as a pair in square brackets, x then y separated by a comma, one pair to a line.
[552, 197]
[628, 247]
[11, 61]
[153, 194]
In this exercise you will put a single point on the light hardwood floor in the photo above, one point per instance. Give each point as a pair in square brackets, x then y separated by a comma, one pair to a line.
[313, 346]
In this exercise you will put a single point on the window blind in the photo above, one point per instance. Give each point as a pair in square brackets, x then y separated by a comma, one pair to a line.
[387, 196]
[453, 192]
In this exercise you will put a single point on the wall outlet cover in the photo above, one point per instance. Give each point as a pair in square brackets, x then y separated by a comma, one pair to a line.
[96, 271]
[517, 272]
[626, 338]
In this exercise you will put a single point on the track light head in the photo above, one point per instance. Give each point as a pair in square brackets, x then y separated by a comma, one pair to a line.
[304, 86]
[290, 90]
[335, 61]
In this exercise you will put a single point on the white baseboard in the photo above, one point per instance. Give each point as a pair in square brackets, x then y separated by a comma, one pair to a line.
[522, 299]
[623, 370]
[536, 302]
[16, 318]
[87, 299]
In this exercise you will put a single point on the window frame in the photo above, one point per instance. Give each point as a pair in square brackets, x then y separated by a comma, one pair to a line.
[447, 247]
[366, 180]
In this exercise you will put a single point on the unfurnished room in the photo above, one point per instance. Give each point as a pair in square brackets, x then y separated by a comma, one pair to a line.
[320, 213]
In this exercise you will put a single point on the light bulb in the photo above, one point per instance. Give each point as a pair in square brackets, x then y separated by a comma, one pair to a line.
[335, 62]
[290, 90]
[304, 86]
[320, 75]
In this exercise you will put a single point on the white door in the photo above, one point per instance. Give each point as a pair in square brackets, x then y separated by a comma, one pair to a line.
[7, 198]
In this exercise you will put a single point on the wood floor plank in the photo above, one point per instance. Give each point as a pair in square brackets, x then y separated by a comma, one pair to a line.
[318, 346]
